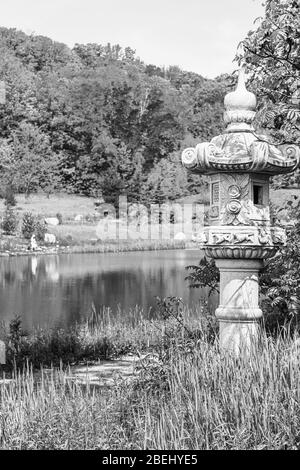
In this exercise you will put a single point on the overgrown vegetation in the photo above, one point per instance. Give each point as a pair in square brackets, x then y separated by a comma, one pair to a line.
[104, 335]
[10, 221]
[185, 395]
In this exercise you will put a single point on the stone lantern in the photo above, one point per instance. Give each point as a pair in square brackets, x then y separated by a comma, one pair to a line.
[240, 235]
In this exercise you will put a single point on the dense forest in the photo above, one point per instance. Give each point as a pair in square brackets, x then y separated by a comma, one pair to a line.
[96, 120]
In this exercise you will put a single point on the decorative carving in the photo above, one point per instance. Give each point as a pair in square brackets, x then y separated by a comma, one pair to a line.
[240, 163]
[201, 237]
[239, 116]
[255, 236]
[214, 212]
[189, 158]
[234, 206]
[215, 189]
[264, 237]
[232, 238]
[279, 236]
[242, 151]
[223, 237]
[234, 191]
[240, 251]
[243, 238]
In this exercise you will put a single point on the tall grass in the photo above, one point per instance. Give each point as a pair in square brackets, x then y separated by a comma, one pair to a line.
[54, 413]
[193, 397]
[185, 393]
[207, 400]
[105, 334]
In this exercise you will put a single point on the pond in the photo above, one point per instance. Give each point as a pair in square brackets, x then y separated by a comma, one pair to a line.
[59, 290]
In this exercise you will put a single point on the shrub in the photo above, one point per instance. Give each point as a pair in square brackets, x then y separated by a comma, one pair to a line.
[40, 230]
[10, 200]
[28, 225]
[59, 217]
[10, 221]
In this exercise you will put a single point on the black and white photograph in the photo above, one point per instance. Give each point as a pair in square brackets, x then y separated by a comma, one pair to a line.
[149, 228]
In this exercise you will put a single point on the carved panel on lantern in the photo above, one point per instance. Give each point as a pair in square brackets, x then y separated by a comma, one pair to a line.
[239, 199]
[214, 197]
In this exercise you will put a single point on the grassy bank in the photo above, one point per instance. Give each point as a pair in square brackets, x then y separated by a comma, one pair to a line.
[15, 247]
[188, 397]
[104, 335]
[79, 236]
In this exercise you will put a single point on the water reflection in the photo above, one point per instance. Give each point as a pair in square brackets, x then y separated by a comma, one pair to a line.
[60, 289]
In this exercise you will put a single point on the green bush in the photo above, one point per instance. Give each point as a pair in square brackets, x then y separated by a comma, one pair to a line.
[60, 218]
[28, 225]
[10, 221]
[40, 230]
[10, 200]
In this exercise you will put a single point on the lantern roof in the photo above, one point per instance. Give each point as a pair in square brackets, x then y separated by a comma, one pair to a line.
[239, 148]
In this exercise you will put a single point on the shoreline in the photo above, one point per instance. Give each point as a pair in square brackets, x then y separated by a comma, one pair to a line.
[105, 248]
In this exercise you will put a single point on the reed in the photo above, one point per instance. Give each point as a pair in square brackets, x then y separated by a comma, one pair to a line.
[194, 397]
[213, 401]
[185, 393]
[104, 334]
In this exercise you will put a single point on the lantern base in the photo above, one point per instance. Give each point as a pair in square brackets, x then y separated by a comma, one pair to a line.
[239, 338]
[239, 314]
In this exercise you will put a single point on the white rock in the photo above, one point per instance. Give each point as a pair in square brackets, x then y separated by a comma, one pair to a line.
[52, 221]
[50, 238]
[180, 236]
[78, 218]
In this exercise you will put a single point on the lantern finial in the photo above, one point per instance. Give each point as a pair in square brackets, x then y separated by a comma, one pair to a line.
[240, 106]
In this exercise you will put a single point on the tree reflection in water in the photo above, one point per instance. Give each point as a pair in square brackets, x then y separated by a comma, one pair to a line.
[59, 290]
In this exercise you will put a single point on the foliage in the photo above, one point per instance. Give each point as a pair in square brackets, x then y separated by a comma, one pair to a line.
[106, 334]
[197, 398]
[28, 225]
[204, 397]
[32, 224]
[97, 119]
[271, 55]
[40, 229]
[10, 199]
[205, 274]
[59, 218]
[10, 221]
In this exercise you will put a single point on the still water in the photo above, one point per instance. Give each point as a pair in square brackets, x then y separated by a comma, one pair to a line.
[59, 290]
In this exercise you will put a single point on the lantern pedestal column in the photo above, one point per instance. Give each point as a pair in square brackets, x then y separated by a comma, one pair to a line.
[238, 312]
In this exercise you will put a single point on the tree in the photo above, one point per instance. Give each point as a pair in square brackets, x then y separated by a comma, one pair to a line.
[271, 54]
[33, 165]
[166, 181]
[96, 118]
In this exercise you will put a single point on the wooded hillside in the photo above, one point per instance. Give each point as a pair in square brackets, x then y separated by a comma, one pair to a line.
[96, 119]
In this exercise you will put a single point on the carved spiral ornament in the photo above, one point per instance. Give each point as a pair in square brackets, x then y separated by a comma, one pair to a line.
[234, 206]
[234, 191]
[291, 152]
[189, 157]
